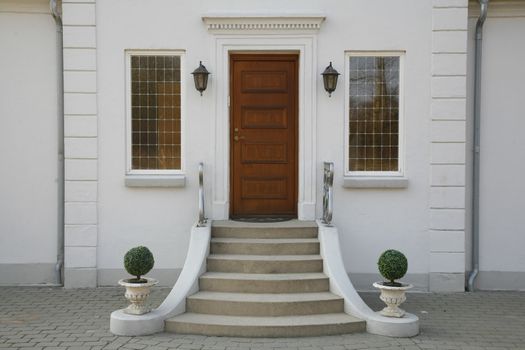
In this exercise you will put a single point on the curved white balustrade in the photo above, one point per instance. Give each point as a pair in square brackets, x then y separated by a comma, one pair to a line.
[175, 303]
[195, 265]
[407, 326]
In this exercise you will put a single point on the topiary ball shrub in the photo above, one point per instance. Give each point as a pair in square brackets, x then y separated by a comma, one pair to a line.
[138, 261]
[392, 265]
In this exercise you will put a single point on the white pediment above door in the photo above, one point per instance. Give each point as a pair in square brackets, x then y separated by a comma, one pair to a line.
[218, 23]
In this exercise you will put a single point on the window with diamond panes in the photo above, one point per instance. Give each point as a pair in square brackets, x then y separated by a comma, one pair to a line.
[374, 113]
[155, 112]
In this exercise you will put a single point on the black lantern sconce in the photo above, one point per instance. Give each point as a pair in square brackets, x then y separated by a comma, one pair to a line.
[200, 76]
[330, 79]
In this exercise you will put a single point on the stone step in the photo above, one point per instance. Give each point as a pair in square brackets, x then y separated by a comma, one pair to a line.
[264, 283]
[281, 326]
[267, 246]
[251, 304]
[264, 280]
[265, 263]
[287, 229]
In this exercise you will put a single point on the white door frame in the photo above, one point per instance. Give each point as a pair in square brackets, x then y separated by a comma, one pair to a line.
[305, 45]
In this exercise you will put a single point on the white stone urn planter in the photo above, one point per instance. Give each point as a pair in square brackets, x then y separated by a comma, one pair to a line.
[392, 297]
[137, 294]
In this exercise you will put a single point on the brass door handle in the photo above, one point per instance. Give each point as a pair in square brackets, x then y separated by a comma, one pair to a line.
[236, 137]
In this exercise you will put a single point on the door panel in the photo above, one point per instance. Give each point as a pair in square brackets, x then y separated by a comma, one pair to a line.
[265, 117]
[263, 135]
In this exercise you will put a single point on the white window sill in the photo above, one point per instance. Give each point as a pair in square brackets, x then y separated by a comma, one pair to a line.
[375, 182]
[173, 180]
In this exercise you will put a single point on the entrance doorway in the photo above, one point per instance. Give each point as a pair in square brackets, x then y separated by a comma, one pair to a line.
[263, 135]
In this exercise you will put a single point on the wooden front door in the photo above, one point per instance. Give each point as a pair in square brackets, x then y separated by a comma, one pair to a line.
[263, 135]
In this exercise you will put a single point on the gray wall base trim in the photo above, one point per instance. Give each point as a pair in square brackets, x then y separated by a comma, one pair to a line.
[363, 281]
[500, 280]
[80, 278]
[446, 282]
[110, 277]
[27, 274]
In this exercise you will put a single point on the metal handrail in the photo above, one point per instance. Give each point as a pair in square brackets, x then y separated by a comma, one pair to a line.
[328, 192]
[202, 217]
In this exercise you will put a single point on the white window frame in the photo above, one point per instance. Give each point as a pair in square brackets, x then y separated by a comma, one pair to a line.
[181, 54]
[401, 138]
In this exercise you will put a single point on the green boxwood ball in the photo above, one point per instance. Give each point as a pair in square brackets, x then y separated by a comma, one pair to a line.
[138, 261]
[392, 265]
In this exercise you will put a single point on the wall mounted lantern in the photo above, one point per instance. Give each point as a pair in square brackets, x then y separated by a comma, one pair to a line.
[200, 76]
[330, 79]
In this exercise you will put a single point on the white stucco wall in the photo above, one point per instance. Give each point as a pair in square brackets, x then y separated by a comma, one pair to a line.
[502, 258]
[373, 220]
[159, 218]
[370, 220]
[104, 218]
[29, 144]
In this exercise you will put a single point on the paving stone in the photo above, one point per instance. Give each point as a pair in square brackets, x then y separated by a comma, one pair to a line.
[134, 346]
[71, 343]
[25, 345]
[47, 344]
[95, 343]
[194, 346]
[59, 319]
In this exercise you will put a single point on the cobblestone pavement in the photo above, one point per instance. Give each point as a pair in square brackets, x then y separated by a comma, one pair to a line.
[54, 318]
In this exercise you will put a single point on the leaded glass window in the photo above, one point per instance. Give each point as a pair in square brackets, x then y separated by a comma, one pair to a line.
[374, 115]
[155, 112]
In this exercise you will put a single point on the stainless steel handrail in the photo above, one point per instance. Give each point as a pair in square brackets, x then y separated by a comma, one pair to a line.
[202, 218]
[328, 192]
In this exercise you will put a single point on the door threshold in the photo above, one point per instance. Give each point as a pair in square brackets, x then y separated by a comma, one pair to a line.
[293, 223]
[264, 219]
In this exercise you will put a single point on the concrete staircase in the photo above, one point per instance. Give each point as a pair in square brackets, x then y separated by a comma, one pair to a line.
[264, 280]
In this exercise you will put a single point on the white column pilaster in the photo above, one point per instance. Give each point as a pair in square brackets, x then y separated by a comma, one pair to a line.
[80, 143]
[448, 139]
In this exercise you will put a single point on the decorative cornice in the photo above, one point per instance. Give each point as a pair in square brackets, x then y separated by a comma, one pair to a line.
[499, 8]
[268, 22]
